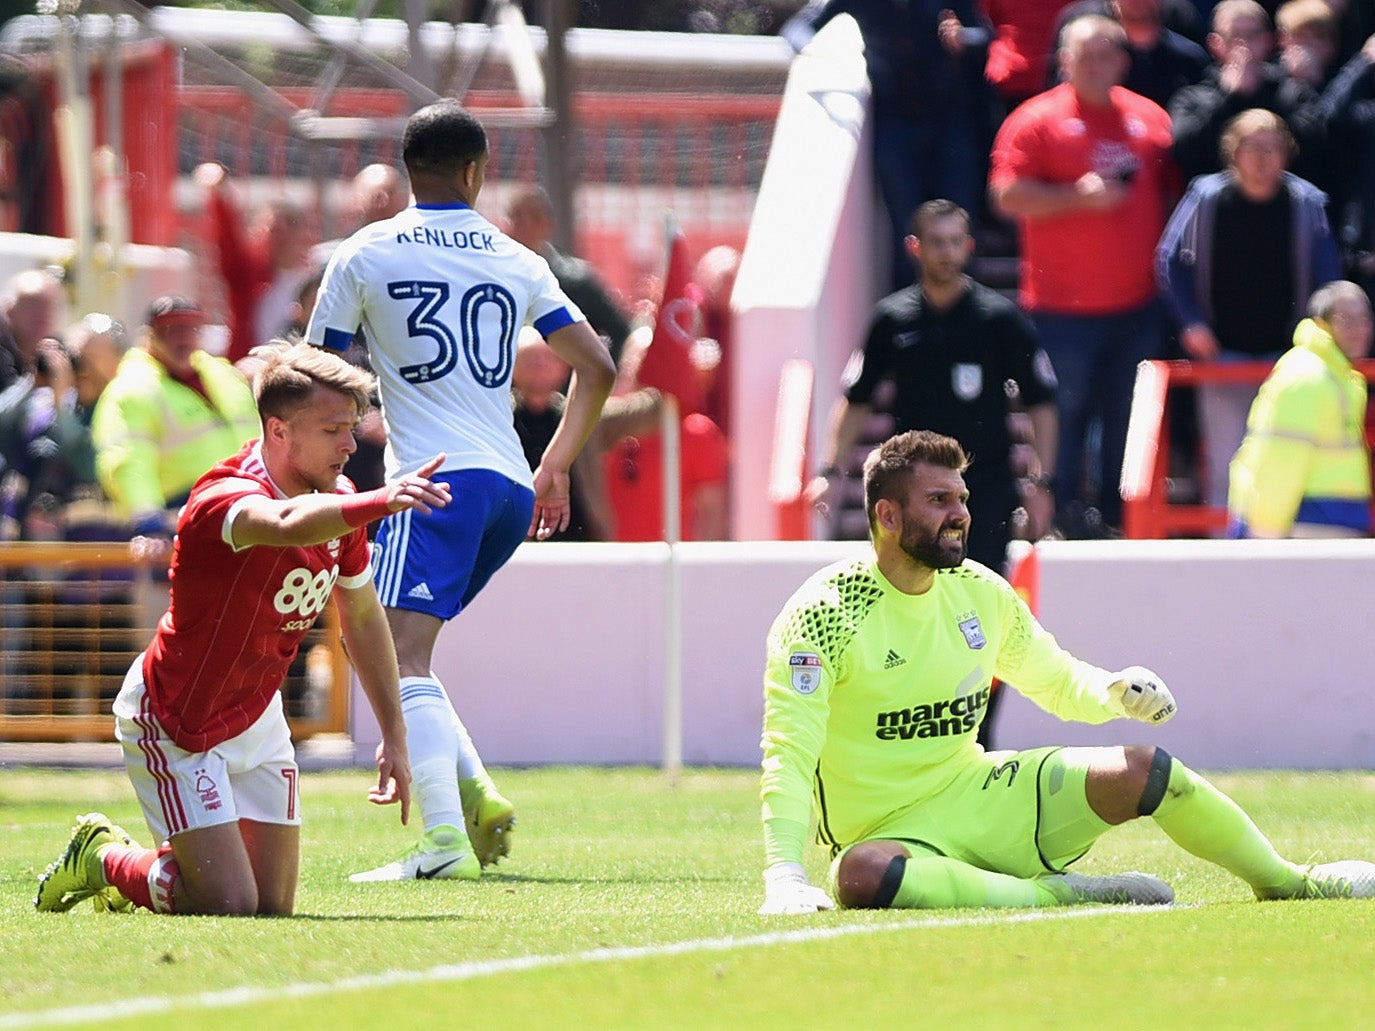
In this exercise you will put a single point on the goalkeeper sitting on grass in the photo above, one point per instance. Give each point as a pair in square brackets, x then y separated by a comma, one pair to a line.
[878, 675]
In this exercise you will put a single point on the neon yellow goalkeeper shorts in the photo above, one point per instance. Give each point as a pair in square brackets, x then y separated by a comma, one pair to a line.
[1019, 813]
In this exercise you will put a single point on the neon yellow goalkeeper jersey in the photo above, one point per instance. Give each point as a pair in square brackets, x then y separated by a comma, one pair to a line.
[873, 697]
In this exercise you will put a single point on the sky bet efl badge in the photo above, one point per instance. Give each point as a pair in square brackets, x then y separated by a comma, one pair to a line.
[973, 632]
[806, 669]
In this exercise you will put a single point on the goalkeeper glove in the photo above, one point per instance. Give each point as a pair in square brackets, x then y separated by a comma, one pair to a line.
[1139, 694]
[787, 891]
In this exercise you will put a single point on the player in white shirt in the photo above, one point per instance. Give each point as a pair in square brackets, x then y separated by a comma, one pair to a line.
[441, 294]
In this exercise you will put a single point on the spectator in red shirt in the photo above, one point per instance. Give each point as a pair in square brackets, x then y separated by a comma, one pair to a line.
[262, 269]
[1084, 169]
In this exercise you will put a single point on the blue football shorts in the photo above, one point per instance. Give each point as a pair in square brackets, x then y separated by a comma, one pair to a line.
[438, 563]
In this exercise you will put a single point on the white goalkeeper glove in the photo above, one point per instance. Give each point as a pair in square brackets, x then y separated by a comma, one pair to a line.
[787, 891]
[1139, 694]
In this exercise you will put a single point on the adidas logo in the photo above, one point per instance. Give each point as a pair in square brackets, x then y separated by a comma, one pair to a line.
[893, 659]
[421, 591]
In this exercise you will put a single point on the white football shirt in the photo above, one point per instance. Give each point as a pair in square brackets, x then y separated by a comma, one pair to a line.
[441, 295]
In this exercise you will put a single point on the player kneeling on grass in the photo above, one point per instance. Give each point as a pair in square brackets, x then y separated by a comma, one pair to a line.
[265, 539]
[878, 675]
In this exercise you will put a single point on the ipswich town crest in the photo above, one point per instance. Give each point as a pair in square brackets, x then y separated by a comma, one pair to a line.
[973, 632]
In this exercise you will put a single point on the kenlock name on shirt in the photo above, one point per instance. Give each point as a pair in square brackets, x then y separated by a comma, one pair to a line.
[463, 240]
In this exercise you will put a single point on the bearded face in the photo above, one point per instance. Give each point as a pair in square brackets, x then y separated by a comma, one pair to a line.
[936, 545]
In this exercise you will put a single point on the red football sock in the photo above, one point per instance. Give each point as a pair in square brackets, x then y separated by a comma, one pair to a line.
[144, 876]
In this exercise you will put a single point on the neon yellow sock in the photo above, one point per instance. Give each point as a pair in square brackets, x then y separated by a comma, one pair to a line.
[937, 882]
[1205, 822]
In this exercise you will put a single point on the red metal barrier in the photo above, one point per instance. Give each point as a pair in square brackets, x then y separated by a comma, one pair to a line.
[1146, 509]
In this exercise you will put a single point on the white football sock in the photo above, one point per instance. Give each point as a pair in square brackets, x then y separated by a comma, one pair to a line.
[433, 745]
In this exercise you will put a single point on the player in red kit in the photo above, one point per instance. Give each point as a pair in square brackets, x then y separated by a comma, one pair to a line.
[267, 537]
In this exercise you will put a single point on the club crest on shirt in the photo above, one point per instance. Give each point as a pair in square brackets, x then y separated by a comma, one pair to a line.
[806, 671]
[967, 380]
[973, 632]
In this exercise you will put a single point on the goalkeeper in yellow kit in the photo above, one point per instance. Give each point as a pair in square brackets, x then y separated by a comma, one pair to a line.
[878, 674]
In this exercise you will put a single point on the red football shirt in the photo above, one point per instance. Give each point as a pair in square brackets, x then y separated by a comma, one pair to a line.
[1095, 262]
[236, 618]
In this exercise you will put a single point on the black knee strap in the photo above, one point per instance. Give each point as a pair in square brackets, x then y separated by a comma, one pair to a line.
[1157, 781]
[891, 882]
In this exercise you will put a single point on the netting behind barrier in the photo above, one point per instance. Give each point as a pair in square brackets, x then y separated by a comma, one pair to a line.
[685, 128]
[74, 616]
[661, 121]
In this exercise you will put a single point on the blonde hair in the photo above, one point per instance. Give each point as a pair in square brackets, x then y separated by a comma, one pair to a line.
[1315, 16]
[1227, 12]
[1084, 27]
[290, 372]
[1249, 123]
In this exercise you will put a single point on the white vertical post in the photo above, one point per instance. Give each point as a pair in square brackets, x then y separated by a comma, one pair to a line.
[669, 434]
[112, 197]
[75, 133]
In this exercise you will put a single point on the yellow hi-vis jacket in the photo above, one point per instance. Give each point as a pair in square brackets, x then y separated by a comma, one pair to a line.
[154, 437]
[1304, 459]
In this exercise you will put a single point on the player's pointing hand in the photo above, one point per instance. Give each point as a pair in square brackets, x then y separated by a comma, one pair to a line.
[393, 778]
[429, 468]
[416, 490]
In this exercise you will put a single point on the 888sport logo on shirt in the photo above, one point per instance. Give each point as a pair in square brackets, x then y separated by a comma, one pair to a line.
[303, 594]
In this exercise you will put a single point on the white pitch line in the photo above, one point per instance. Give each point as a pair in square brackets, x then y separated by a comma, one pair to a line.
[244, 996]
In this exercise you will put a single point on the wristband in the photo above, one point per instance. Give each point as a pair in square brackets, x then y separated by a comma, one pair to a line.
[360, 509]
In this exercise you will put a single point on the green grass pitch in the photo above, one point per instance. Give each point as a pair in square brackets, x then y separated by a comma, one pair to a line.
[630, 903]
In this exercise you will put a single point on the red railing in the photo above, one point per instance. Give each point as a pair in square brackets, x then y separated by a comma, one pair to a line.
[1147, 512]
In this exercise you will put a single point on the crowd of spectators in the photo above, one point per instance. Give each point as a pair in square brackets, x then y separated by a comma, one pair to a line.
[104, 430]
[1074, 128]
[1247, 127]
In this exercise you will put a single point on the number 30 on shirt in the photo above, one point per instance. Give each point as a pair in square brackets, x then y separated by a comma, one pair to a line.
[482, 309]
